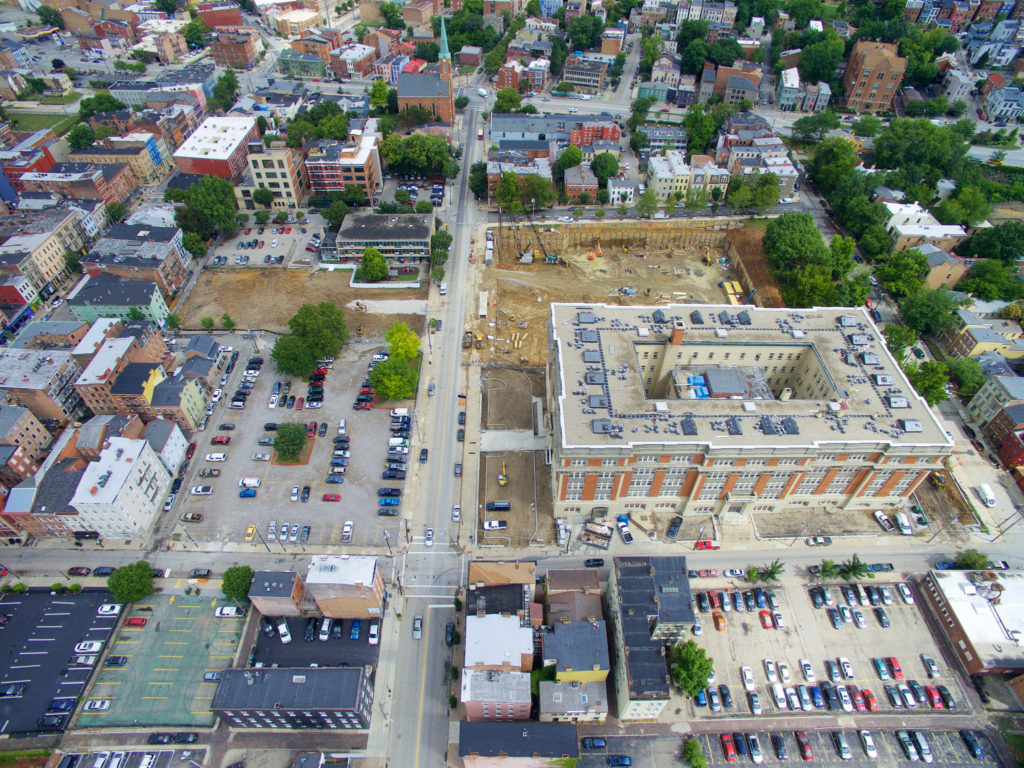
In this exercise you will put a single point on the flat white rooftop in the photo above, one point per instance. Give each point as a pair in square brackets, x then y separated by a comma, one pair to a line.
[217, 138]
[341, 569]
[990, 611]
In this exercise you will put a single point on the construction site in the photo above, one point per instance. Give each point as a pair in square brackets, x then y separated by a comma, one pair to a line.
[529, 265]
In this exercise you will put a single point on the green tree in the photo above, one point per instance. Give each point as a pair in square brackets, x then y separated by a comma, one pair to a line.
[461, 102]
[929, 312]
[81, 137]
[167, 6]
[507, 100]
[700, 127]
[829, 569]
[290, 440]
[693, 57]
[263, 196]
[507, 193]
[207, 323]
[117, 212]
[293, 356]
[322, 326]
[772, 571]
[209, 206]
[533, 8]
[792, 240]
[226, 322]
[604, 166]
[868, 126]
[833, 160]
[402, 196]
[131, 583]
[423, 206]
[1004, 242]
[904, 272]
[689, 667]
[225, 91]
[281, 217]
[853, 569]
[971, 560]
[195, 34]
[262, 217]
[393, 379]
[989, 279]
[967, 207]
[818, 61]
[174, 321]
[235, 583]
[336, 212]
[929, 379]
[135, 314]
[262, 125]
[693, 754]
[374, 267]
[639, 140]
[538, 191]
[428, 51]
[647, 206]
[899, 339]
[967, 373]
[379, 94]
[102, 102]
[50, 17]
[195, 245]
[811, 128]
[404, 344]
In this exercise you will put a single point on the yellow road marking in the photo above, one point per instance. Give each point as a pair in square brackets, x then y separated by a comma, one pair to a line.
[172, 599]
[154, 697]
[158, 683]
[108, 682]
[168, 656]
[164, 669]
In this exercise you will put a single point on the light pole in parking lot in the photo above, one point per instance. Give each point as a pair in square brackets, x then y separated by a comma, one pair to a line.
[263, 541]
[387, 540]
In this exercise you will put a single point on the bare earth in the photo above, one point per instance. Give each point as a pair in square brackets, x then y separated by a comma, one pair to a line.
[265, 299]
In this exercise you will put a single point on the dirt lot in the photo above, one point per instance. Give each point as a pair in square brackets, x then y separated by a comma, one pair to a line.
[264, 298]
[615, 263]
[507, 404]
[530, 520]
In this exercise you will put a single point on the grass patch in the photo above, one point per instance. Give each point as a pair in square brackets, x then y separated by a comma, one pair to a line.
[25, 757]
[537, 675]
[37, 121]
[67, 98]
[1015, 741]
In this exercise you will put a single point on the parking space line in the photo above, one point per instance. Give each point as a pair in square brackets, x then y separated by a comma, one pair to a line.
[154, 697]
[168, 656]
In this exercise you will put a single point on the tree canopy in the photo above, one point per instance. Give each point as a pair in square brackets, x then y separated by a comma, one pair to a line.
[81, 136]
[394, 379]
[317, 331]
[1003, 242]
[374, 266]
[689, 667]
[131, 583]
[289, 440]
[404, 343]
[235, 582]
[210, 206]
[904, 272]
[102, 102]
[929, 312]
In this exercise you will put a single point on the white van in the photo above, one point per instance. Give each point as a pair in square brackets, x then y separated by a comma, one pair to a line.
[399, 411]
[343, 427]
[985, 494]
[325, 630]
[779, 696]
[249, 482]
[398, 442]
[903, 523]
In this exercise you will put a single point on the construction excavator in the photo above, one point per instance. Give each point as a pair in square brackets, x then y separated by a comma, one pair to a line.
[596, 250]
[502, 477]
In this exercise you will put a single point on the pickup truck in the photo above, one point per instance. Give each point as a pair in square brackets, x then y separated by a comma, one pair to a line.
[623, 523]
[884, 521]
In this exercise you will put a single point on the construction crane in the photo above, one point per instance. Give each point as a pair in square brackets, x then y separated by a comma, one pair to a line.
[502, 477]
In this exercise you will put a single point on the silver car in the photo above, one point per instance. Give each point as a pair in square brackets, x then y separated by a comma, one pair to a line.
[417, 627]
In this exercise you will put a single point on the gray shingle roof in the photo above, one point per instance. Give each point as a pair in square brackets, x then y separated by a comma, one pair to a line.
[108, 290]
[421, 86]
[523, 739]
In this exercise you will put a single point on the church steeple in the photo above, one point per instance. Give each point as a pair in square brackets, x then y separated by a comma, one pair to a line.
[444, 56]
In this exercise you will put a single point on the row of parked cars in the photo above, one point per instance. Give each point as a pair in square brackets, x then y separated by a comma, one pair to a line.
[252, 371]
[328, 629]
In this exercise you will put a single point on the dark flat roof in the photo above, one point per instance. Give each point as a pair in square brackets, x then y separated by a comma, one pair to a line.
[384, 226]
[326, 688]
[518, 739]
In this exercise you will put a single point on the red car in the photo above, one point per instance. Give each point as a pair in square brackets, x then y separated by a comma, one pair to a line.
[248, 230]
[708, 573]
[766, 620]
[858, 698]
[362, 406]
[136, 621]
[870, 700]
[299, 404]
[706, 545]
[894, 666]
[713, 598]
[259, 244]
[366, 391]
[728, 748]
[287, 230]
[311, 429]
[331, 497]
[804, 745]
[79, 570]
[869, 304]
[322, 371]
[190, 451]
[719, 620]
[933, 696]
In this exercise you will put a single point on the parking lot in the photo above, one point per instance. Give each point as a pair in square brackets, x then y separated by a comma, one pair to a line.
[334, 652]
[947, 748]
[226, 516]
[39, 636]
[808, 632]
[162, 758]
[286, 247]
[161, 683]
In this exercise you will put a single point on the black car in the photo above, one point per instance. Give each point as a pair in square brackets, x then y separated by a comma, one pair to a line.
[322, 431]
[199, 573]
[460, 435]
[115, 661]
[702, 602]
[816, 597]
[449, 634]
[779, 745]
[48, 722]
[947, 698]
[389, 491]
[267, 626]
[883, 617]
[310, 629]
[341, 440]
[723, 691]
[423, 455]
[462, 418]
[835, 618]
[226, 427]
[186, 738]
[972, 744]
[593, 562]
[160, 738]
[103, 570]
[305, 493]
[674, 526]
[969, 431]
[918, 691]
[336, 629]
[392, 474]
[270, 426]
[176, 485]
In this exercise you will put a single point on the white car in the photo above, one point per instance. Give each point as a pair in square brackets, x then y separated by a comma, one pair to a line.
[215, 397]
[747, 675]
[394, 449]
[97, 705]
[346, 532]
[770, 672]
[456, 513]
[566, 219]
[261, 457]
[273, 243]
[216, 457]
[869, 744]
[784, 674]
[89, 646]
[282, 630]
[905, 593]
[732, 573]
[844, 698]
[201, 490]
[847, 667]
[428, 539]
[273, 402]
[109, 609]
[295, 497]
[229, 612]
[374, 637]
[807, 669]
[495, 525]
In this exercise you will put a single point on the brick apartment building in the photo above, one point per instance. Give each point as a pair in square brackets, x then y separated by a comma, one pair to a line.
[239, 48]
[873, 76]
